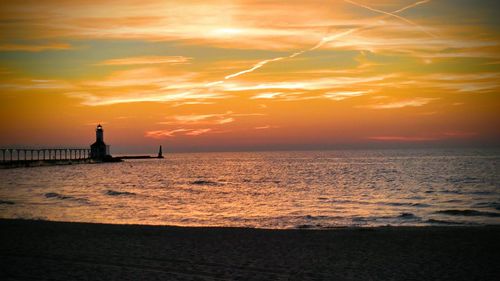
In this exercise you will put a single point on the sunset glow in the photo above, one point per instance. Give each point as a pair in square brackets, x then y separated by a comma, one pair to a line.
[233, 75]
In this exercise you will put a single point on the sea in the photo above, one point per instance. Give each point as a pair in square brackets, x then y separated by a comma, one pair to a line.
[276, 190]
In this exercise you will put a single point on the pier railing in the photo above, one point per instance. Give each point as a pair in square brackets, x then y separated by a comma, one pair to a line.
[44, 154]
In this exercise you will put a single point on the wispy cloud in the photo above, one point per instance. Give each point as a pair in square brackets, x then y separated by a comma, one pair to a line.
[34, 47]
[164, 133]
[313, 84]
[287, 96]
[338, 96]
[198, 119]
[36, 84]
[414, 102]
[143, 96]
[173, 60]
[198, 132]
[145, 84]
[158, 134]
[265, 127]
[267, 95]
[206, 119]
[464, 83]
[190, 124]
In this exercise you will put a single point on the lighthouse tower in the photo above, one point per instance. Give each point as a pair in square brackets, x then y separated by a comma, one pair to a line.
[98, 150]
[99, 134]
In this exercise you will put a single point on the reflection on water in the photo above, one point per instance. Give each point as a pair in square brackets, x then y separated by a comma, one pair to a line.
[266, 189]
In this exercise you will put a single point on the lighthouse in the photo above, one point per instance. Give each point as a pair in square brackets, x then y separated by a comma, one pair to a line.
[99, 134]
[99, 150]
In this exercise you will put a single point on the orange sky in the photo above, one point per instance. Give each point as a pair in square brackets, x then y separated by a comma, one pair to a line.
[231, 75]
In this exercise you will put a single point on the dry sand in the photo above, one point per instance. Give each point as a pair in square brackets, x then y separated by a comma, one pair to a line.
[39, 250]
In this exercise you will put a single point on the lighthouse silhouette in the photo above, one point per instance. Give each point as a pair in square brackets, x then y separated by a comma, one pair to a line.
[99, 150]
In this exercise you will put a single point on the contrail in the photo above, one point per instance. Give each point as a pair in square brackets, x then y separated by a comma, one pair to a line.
[328, 39]
[391, 15]
[256, 66]
[411, 6]
[264, 62]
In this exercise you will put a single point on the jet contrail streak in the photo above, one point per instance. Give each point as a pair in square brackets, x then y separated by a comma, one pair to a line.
[328, 39]
[411, 6]
[391, 15]
[256, 66]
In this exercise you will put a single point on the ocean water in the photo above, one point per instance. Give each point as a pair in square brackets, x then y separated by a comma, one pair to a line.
[314, 189]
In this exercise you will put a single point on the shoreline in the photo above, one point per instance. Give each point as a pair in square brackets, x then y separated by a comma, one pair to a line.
[33, 249]
[445, 224]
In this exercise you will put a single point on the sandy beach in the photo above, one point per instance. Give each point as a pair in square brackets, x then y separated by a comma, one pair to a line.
[41, 250]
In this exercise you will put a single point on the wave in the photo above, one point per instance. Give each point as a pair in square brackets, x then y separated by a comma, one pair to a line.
[398, 204]
[205, 182]
[401, 216]
[6, 202]
[408, 216]
[59, 196]
[434, 221]
[481, 192]
[118, 193]
[309, 217]
[468, 213]
[453, 201]
[466, 180]
[494, 205]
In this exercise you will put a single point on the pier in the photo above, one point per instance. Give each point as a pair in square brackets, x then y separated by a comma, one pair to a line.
[28, 157]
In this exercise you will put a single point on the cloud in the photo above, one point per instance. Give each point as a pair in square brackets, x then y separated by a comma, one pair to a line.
[157, 134]
[331, 38]
[146, 84]
[265, 127]
[267, 95]
[164, 133]
[338, 96]
[206, 119]
[91, 99]
[34, 47]
[286, 96]
[313, 84]
[198, 132]
[36, 84]
[320, 43]
[464, 83]
[190, 124]
[147, 76]
[173, 60]
[198, 119]
[414, 102]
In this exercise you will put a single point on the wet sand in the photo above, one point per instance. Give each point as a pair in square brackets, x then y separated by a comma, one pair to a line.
[40, 250]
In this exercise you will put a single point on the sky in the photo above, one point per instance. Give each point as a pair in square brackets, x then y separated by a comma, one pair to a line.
[250, 75]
